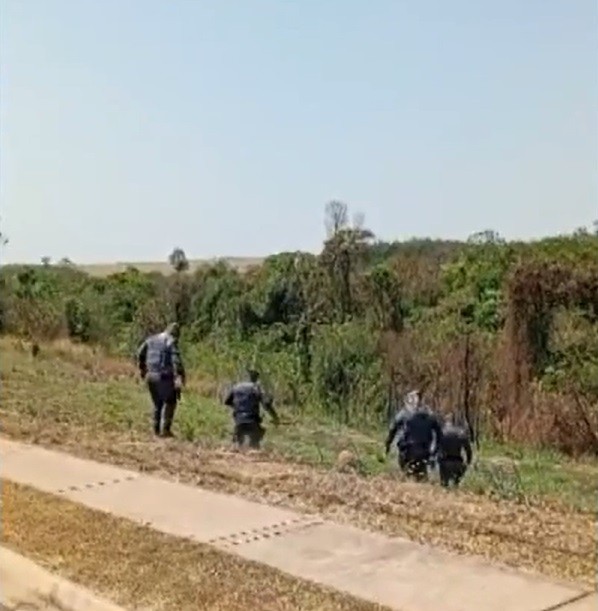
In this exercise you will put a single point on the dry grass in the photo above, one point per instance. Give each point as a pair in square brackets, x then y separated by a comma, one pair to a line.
[139, 567]
[105, 269]
[86, 404]
[42, 603]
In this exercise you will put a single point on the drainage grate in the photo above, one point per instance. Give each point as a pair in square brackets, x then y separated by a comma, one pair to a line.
[97, 484]
[272, 531]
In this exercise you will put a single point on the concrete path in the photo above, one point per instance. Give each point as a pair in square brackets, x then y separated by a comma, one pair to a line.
[394, 572]
[25, 585]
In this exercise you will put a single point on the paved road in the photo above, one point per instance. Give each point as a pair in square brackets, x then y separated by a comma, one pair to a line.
[394, 572]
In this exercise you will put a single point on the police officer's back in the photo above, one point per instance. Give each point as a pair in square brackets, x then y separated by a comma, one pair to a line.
[245, 399]
[455, 453]
[416, 430]
[418, 427]
[161, 366]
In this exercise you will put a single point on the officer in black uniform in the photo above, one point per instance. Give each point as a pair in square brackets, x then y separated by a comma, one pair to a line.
[454, 453]
[245, 399]
[161, 366]
[417, 432]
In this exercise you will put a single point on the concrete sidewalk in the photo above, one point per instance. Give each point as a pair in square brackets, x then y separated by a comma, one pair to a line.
[25, 585]
[394, 572]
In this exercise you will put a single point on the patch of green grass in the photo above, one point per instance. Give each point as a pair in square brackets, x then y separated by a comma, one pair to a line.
[526, 474]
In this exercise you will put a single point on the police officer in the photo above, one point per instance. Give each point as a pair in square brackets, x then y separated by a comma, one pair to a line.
[245, 399]
[161, 366]
[454, 443]
[417, 431]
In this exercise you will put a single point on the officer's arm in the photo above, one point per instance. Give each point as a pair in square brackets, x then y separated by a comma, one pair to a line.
[177, 361]
[229, 398]
[468, 451]
[392, 433]
[438, 432]
[268, 403]
[142, 359]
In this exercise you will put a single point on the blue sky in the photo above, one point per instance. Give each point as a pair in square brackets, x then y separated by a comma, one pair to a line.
[129, 127]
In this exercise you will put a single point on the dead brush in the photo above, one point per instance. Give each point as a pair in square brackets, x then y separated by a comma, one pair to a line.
[95, 362]
[566, 421]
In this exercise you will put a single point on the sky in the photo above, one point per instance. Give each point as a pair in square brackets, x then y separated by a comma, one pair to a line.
[129, 127]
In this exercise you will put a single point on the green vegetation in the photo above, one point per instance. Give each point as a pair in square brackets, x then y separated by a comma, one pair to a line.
[505, 334]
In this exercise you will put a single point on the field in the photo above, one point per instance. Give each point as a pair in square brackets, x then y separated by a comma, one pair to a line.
[524, 508]
[163, 267]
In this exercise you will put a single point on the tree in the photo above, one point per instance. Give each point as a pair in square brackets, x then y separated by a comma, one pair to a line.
[344, 248]
[336, 217]
[581, 232]
[487, 236]
[3, 239]
[178, 260]
[46, 261]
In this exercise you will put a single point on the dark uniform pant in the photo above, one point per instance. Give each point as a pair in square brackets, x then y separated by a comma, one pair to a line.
[252, 432]
[164, 398]
[451, 469]
[413, 459]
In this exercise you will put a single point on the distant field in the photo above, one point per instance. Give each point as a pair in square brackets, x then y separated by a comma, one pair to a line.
[105, 269]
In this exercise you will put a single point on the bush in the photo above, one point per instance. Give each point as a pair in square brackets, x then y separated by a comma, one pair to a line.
[347, 373]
